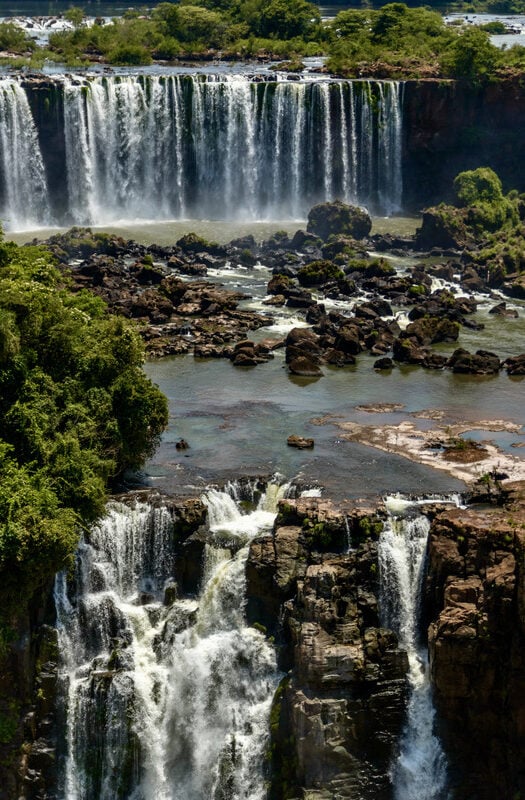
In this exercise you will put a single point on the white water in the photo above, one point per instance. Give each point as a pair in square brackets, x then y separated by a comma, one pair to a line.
[23, 186]
[217, 147]
[420, 771]
[164, 702]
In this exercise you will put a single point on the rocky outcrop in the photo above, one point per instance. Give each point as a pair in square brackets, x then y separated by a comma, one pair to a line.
[476, 603]
[338, 713]
[339, 219]
[29, 713]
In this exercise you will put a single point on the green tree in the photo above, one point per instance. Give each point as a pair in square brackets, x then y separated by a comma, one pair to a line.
[76, 408]
[477, 185]
[285, 19]
[471, 55]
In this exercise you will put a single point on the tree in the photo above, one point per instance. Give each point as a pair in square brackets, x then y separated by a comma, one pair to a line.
[471, 55]
[76, 410]
[285, 19]
[476, 185]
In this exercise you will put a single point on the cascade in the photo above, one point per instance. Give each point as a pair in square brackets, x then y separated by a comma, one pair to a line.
[209, 146]
[163, 701]
[420, 771]
[24, 201]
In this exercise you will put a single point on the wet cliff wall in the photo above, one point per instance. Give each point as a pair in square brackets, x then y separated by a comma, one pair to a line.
[449, 127]
[446, 127]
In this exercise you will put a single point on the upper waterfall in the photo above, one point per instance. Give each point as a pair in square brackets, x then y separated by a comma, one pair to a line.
[24, 198]
[216, 146]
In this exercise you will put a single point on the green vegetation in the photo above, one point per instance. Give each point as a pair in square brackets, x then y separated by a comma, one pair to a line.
[486, 220]
[393, 41]
[77, 411]
[318, 272]
[413, 42]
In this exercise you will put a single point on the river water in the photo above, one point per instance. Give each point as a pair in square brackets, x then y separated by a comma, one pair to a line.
[237, 420]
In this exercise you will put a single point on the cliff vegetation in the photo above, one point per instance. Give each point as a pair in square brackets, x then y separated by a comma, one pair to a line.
[77, 411]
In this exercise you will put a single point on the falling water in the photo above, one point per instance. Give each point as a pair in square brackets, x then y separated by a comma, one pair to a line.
[420, 771]
[23, 188]
[215, 146]
[163, 700]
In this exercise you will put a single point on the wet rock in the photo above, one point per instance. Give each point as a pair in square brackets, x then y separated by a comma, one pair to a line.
[477, 648]
[383, 364]
[300, 442]
[305, 367]
[501, 310]
[481, 362]
[338, 218]
[515, 365]
[431, 330]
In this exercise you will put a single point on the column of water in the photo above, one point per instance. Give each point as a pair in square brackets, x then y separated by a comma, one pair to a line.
[420, 771]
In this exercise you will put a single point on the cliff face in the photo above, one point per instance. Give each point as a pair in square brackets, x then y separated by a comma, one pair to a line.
[449, 127]
[338, 714]
[476, 600]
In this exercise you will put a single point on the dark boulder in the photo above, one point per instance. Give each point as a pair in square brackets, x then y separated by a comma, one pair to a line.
[339, 218]
[481, 362]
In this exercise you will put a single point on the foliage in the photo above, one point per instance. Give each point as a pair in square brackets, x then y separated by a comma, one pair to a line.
[483, 216]
[14, 39]
[318, 272]
[471, 55]
[77, 410]
[481, 192]
[395, 40]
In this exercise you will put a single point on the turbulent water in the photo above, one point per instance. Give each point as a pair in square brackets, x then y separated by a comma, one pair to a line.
[163, 701]
[216, 146]
[420, 771]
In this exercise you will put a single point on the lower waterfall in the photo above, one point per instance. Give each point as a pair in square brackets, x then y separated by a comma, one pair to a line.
[420, 771]
[163, 701]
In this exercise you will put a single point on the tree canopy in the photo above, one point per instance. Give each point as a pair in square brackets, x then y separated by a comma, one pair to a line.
[76, 410]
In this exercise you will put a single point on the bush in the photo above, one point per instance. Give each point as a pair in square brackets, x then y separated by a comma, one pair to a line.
[130, 55]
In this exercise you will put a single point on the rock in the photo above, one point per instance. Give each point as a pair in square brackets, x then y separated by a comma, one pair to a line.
[442, 228]
[430, 330]
[501, 310]
[338, 218]
[515, 365]
[476, 602]
[302, 239]
[337, 714]
[300, 442]
[383, 364]
[480, 363]
[304, 366]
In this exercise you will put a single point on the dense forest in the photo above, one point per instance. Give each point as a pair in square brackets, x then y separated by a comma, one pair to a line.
[394, 40]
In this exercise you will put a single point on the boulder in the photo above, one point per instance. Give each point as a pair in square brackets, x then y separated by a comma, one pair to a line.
[300, 442]
[338, 218]
[515, 365]
[482, 362]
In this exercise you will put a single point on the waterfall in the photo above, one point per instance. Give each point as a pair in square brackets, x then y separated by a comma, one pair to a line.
[420, 771]
[164, 697]
[24, 201]
[180, 146]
